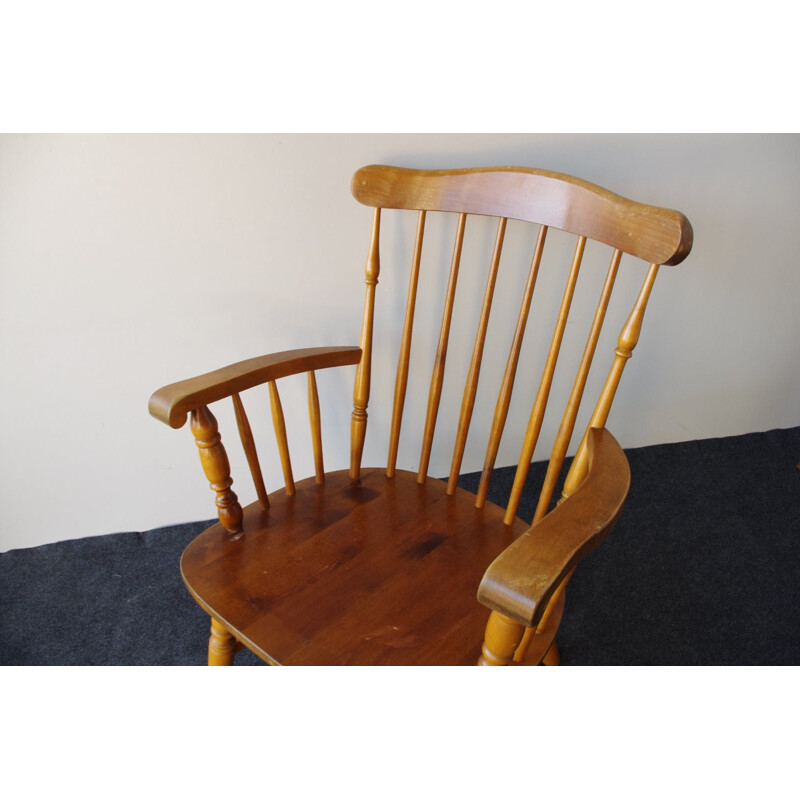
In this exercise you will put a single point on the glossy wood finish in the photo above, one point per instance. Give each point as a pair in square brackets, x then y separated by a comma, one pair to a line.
[471, 387]
[507, 386]
[214, 461]
[249, 446]
[437, 378]
[545, 385]
[538, 646]
[404, 359]
[279, 424]
[316, 427]
[501, 640]
[388, 566]
[358, 420]
[327, 568]
[370, 571]
[221, 646]
[567, 425]
[628, 339]
[533, 195]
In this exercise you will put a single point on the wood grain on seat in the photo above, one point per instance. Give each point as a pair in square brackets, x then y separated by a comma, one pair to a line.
[337, 573]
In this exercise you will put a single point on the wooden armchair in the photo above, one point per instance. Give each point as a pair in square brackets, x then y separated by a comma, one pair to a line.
[387, 566]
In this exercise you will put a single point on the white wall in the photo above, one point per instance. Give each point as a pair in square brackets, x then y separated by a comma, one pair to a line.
[128, 262]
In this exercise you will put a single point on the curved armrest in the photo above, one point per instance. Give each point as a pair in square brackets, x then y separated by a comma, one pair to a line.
[171, 404]
[521, 580]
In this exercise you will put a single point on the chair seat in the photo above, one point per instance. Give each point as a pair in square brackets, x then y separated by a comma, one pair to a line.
[373, 571]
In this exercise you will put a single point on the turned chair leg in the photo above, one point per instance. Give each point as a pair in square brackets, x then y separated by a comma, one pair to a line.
[221, 646]
[502, 637]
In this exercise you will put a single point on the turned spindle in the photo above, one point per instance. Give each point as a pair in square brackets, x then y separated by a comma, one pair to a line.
[437, 377]
[506, 388]
[543, 392]
[501, 639]
[404, 359]
[214, 461]
[221, 646]
[471, 388]
[279, 424]
[358, 423]
[628, 339]
[316, 427]
[249, 447]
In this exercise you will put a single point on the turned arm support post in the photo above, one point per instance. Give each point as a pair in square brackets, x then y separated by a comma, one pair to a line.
[520, 582]
[217, 470]
[174, 403]
[501, 640]
[358, 420]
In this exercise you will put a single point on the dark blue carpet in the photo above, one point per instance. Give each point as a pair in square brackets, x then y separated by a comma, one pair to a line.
[703, 568]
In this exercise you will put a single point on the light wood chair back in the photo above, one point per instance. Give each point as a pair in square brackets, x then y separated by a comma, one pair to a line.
[550, 201]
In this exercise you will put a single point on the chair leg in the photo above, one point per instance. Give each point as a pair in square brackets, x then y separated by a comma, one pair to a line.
[221, 646]
[502, 636]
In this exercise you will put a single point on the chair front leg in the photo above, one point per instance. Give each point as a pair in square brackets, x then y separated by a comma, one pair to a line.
[221, 646]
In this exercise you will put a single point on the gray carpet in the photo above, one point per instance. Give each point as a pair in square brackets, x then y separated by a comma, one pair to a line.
[703, 568]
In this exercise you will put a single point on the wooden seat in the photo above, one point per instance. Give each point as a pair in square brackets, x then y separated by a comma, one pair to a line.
[387, 566]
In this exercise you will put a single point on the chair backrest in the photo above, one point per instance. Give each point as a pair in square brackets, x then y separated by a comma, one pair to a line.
[550, 201]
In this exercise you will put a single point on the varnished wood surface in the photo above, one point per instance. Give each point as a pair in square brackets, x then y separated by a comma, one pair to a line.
[471, 387]
[249, 447]
[521, 581]
[315, 421]
[404, 359]
[374, 567]
[626, 343]
[534, 428]
[371, 571]
[361, 387]
[567, 426]
[437, 377]
[548, 198]
[279, 424]
[507, 386]
[171, 404]
[216, 467]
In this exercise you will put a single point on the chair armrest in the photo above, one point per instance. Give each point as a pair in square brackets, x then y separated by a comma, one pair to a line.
[521, 580]
[171, 404]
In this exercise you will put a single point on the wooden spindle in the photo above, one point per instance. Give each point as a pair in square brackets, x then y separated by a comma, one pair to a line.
[316, 427]
[221, 646]
[437, 378]
[216, 467]
[628, 339]
[279, 423]
[405, 350]
[567, 426]
[358, 423]
[507, 386]
[501, 639]
[471, 387]
[249, 446]
[540, 403]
